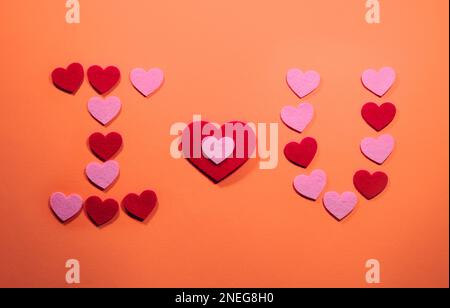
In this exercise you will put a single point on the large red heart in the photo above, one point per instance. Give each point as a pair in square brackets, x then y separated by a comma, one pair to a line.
[69, 80]
[192, 139]
[101, 212]
[105, 147]
[140, 207]
[370, 185]
[302, 153]
[103, 80]
[378, 117]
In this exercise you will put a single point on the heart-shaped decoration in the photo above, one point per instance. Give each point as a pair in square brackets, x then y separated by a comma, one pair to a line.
[378, 117]
[104, 110]
[69, 80]
[105, 147]
[103, 80]
[147, 82]
[301, 154]
[101, 212]
[140, 207]
[311, 186]
[378, 150]
[297, 118]
[103, 175]
[65, 208]
[340, 206]
[370, 185]
[302, 83]
[217, 150]
[379, 82]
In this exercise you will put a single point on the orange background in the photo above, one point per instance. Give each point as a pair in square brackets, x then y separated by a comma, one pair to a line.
[225, 60]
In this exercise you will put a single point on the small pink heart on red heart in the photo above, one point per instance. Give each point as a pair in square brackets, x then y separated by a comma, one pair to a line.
[103, 175]
[311, 186]
[340, 206]
[147, 82]
[65, 208]
[379, 82]
[378, 149]
[302, 83]
[104, 110]
[297, 118]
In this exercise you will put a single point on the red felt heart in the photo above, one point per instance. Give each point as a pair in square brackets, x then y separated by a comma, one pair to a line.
[69, 80]
[101, 212]
[103, 80]
[105, 147]
[301, 153]
[370, 185]
[378, 117]
[242, 134]
[140, 207]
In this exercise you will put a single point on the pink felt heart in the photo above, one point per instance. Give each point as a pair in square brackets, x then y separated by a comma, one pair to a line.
[379, 82]
[297, 118]
[378, 150]
[302, 83]
[103, 175]
[311, 186]
[147, 82]
[218, 150]
[104, 110]
[64, 207]
[340, 206]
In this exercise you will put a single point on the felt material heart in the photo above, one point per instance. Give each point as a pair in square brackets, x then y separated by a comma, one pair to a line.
[101, 212]
[340, 206]
[217, 150]
[297, 118]
[65, 208]
[140, 207]
[69, 80]
[302, 153]
[378, 117]
[103, 80]
[378, 150]
[103, 175]
[147, 82]
[242, 135]
[311, 186]
[302, 83]
[104, 110]
[105, 147]
[379, 82]
[370, 185]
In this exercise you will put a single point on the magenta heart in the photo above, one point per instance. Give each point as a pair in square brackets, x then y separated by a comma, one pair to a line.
[311, 186]
[297, 118]
[104, 110]
[103, 175]
[65, 208]
[378, 150]
[147, 82]
[340, 206]
[379, 82]
[302, 83]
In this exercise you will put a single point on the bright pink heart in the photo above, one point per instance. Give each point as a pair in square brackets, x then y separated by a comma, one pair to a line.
[302, 83]
[311, 186]
[104, 110]
[378, 150]
[65, 208]
[297, 118]
[379, 82]
[103, 175]
[340, 206]
[147, 82]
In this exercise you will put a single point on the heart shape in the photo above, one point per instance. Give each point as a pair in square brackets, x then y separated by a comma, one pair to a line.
[297, 118]
[65, 208]
[217, 150]
[69, 80]
[379, 82]
[311, 186]
[101, 212]
[147, 82]
[302, 83]
[103, 175]
[140, 207]
[370, 185]
[242, 135]
[105, 147]
[104, 110]
[103, 80]
[340, 206]
[301, 154]
[378, 150]
[378, 117]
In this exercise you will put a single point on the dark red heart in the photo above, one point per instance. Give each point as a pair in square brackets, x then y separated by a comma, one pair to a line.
[103, 80]
[140, 207]
[370, 185]
[191, 146]
[69, 80]
[105, 147]
[302, 153]
[101, 212]
[378, 117]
